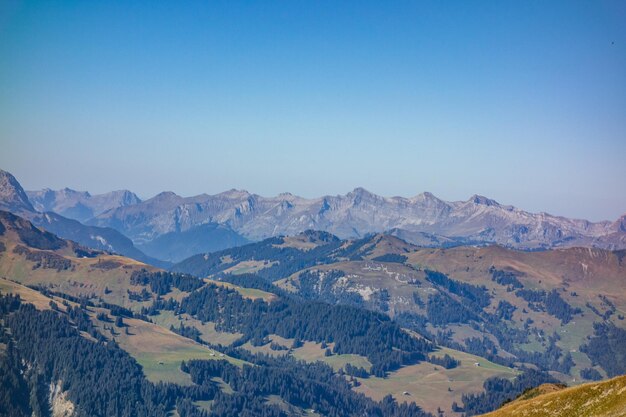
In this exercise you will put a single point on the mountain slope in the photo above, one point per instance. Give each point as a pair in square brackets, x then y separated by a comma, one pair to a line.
[102, 238]
[13, 199]
[600, 399]
[425, 219]
[33, 256]
[12, 195]
[507, 305]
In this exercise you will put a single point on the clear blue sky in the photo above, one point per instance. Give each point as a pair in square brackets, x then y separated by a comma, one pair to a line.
[524, 102]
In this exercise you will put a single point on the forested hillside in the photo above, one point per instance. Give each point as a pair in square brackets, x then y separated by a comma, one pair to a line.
[533, 308]
[365, 320]
[94, 377]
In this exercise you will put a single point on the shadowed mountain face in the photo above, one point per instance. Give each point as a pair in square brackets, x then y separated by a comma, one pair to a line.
[208, 237]
[423, 219]
[29, 235]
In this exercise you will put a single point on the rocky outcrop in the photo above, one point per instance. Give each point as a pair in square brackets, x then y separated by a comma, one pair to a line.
[60, 405]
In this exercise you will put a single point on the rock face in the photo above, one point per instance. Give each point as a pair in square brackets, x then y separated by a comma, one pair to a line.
[12, 196]
[423, 219]
[80, 205]
[60, 405]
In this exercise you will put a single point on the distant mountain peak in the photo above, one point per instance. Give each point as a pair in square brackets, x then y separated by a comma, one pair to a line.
[426, 195]
[360, 191]
[234, 193]
[423, 219]
[166, 194]
[165, 197]
[428, 199]
[620, 224]
[72, 191]
[482, 200]
[79, 205]
[127, 197]
[360, 194]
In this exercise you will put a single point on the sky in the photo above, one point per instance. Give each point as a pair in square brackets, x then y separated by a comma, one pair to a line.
[523, 102]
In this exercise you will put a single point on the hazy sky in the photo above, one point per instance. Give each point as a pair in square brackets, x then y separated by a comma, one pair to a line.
[522, 101]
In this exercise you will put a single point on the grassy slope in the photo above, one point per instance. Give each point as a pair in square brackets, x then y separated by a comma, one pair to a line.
[309, 352]
[84, 278]
[601, 399]
[251, 293]
[40, 301]
[158, 350]
[208, 333]
[587, 272]
[428, 384]
[155, 347]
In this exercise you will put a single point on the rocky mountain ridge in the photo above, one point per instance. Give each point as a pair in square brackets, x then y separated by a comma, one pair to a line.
[238, 216]
[423, 219]
[80, 205]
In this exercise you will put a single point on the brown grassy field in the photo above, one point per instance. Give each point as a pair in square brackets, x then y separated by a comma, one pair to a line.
[251, 293]
[208, 333]
[40, 301]
[432, 386]
[83, 279]
[425, 383]
[158, 350]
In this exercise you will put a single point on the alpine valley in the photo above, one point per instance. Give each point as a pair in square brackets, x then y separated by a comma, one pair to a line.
[353, 305]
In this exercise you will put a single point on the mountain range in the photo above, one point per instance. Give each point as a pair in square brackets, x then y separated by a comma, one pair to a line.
[171, 228]
[424, 219]
[560, 310]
